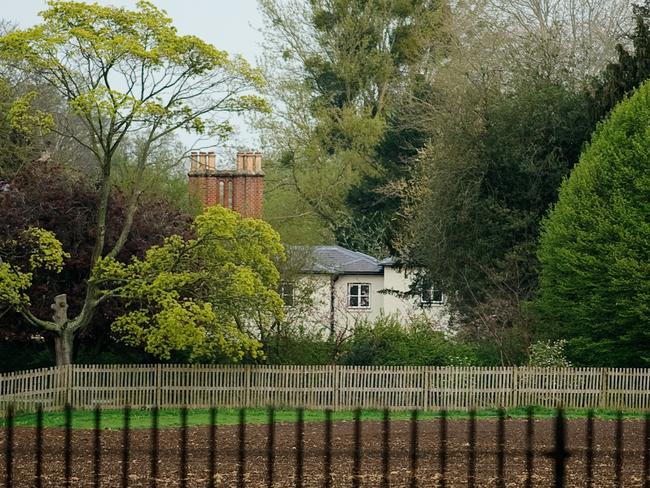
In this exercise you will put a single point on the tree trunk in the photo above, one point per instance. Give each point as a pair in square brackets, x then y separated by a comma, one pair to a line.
[64, 339]
[63, 344]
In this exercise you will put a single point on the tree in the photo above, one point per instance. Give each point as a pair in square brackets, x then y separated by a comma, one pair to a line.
[20, 124]
[124, 73]
[595, 267]
[336, 68]
[214, 294]
[630, 69]
[562, 40]
[503, 123]
[48, 194]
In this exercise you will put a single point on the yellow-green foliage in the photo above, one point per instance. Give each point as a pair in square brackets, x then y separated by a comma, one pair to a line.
[13, 284]
[131, 67]
[46, 251]
[35, 249]
[27, 120]
[208, 295]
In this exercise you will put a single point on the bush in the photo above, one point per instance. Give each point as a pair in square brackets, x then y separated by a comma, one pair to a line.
[548, 354]
[594, 254]
[298, 348]
[386, 342]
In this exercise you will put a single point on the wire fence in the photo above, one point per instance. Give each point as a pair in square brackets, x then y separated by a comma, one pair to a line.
[395, 453]
[325, 387]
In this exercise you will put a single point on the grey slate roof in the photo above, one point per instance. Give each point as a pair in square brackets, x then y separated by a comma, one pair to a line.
[339, 260]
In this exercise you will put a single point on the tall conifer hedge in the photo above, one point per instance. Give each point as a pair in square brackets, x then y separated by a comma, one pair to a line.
[595, 245]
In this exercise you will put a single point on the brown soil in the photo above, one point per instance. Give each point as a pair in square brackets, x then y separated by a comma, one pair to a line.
[342, 462]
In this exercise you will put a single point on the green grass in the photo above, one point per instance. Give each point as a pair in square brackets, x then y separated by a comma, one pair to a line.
[169, 418]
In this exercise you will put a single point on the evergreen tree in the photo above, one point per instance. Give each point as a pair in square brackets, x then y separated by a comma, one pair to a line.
[630, 69]
[594, 253]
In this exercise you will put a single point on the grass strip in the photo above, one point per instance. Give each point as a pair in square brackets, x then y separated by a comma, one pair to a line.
[170, 418]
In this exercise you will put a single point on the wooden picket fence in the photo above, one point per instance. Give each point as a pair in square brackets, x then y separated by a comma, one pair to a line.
[324, 387]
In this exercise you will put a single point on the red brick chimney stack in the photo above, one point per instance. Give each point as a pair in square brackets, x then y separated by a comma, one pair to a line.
[241, 189]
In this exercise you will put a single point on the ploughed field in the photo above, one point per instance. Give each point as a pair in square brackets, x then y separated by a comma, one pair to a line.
[256, 466]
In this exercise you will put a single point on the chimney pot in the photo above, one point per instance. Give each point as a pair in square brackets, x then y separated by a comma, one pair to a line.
[258, 163]
[212, 161]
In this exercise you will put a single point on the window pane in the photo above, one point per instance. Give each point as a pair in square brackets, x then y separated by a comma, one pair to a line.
[365, 290]
[354, 289]
[354, 301]
[365, 301]
[436, 295]
[286, 291]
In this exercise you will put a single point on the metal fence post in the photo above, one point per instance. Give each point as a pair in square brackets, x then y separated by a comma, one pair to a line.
[560, 453]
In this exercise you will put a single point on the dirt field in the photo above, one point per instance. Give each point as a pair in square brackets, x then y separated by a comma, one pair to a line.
[342, 463]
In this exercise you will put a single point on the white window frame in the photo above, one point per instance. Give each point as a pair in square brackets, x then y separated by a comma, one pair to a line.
[359, 296]
[428, 291]
[284, 285]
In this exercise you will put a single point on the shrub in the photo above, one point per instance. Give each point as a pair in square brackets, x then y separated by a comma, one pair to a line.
[548, 354]
[594, 253]
[387, 342]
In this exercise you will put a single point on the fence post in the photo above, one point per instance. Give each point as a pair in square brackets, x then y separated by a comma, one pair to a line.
[515, 388]
[68, 372]
[337, 387]
[157, 381]
[425, 388]
[247, 370]
[604, 389]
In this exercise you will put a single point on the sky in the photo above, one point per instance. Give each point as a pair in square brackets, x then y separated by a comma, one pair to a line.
[230, 25]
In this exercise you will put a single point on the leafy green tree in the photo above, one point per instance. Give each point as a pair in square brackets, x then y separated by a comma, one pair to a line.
[211, 295]
[20, 123]
[65, 201]
[164, 177]
[503, 122]
[595, 266]
[124, 73]
[337, 67]
[486, 181]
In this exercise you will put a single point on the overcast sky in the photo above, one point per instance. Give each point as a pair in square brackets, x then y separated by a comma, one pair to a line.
[231, 25]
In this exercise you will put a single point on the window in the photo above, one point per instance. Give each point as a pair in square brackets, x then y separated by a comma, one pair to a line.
[359, 295]
[287, 291]
[431, 295]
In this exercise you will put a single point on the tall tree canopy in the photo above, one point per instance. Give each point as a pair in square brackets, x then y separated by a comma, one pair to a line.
[594, 254]
[504, 121]
[124, 73]
[630, 69]
[337, 68]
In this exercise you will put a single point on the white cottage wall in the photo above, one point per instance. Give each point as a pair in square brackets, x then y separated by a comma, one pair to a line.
[409, 307]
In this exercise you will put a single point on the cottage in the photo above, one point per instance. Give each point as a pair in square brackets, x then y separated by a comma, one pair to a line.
[337, 286]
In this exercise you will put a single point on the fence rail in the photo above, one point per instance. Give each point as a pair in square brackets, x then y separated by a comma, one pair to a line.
[324, 387]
